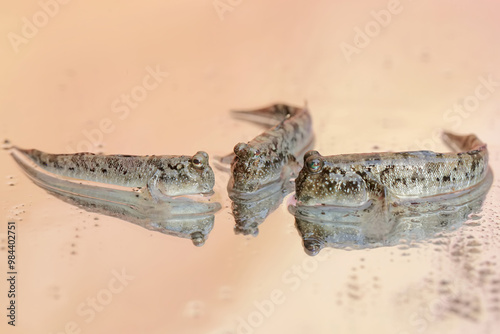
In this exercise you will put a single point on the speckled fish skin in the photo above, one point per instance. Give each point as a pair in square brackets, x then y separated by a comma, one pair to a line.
[353, 179]
[170, 175]
[261, 161]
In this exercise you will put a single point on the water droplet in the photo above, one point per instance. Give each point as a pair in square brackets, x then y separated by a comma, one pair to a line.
[425, 57]
[54, 292]
[6, 144]
[388, 63]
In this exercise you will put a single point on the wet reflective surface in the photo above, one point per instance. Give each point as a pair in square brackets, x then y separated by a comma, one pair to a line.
[186, 217]
[402, 221]
[161, 78]
[249, 213]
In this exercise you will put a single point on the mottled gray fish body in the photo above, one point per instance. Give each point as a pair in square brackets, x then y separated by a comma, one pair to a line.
[166, 175]
[352, 179]
[261, 161]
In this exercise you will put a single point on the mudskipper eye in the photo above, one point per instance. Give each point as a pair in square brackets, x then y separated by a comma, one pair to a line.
[240, 149]
[197, 163]
[198, 160]
[310, 154]
[315, 165]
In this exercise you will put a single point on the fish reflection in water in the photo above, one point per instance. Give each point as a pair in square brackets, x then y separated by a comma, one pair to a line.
[190, 217]
[250, 213]
[367, 226]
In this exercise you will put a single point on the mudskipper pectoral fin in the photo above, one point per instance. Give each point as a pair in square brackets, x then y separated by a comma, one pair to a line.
[378, 221]
[154, 189]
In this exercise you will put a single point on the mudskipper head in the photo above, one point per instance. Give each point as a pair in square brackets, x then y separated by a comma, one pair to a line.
[254, 167]
[326, 182]
[184, 175]
[201, 172]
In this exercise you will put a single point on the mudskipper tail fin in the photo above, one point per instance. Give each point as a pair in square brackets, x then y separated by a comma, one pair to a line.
[267, 116]
[463, 143]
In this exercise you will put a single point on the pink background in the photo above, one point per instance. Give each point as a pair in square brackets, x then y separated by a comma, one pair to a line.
[62, 81]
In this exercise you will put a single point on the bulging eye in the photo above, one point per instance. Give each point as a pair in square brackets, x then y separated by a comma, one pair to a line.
[197, 163]
[240, 149]
[199, 160]
[314, 164]
[310, 154]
